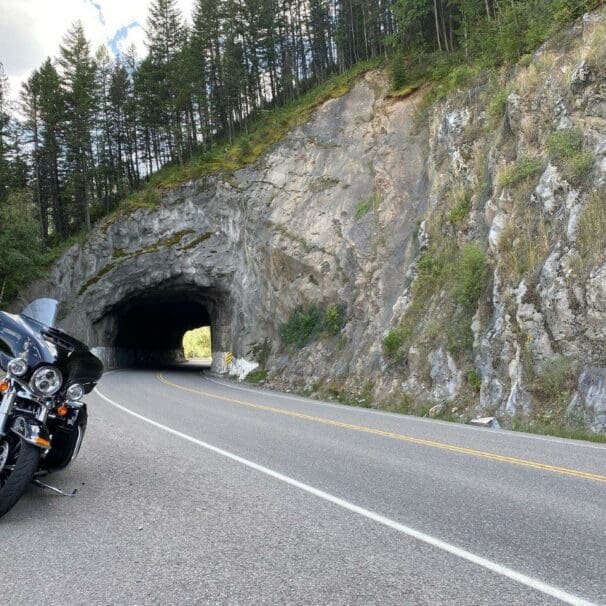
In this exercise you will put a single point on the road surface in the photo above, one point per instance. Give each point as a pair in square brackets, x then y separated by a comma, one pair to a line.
[193, 490]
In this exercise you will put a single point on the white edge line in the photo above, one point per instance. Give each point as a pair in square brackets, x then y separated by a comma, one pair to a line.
[499, 569]
[396, 415]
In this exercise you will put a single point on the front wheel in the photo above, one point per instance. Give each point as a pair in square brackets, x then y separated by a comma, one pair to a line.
[18, 463]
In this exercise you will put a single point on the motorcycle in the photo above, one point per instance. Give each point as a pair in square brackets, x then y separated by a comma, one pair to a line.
[42, 415]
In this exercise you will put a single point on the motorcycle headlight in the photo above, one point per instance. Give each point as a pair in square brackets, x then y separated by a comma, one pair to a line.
[17, 367]
[75, 392]
[46, 381]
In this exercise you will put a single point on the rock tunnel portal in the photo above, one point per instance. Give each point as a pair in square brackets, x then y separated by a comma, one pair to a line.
[147, 329]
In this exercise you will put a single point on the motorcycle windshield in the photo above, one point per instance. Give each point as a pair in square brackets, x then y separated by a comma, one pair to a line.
[43, 311]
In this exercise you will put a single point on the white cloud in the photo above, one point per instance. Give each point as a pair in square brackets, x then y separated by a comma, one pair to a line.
[31, 30]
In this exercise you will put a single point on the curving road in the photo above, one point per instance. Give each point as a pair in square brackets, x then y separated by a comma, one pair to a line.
[193, 490]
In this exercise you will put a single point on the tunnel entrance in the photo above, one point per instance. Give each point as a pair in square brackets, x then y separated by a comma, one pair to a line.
[149, 330]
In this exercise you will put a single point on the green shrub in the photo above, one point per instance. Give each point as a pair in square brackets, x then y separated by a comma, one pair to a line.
[302, 327]
[432, 269]
[468, 282]
[393, 343]
[459, 335]
[497, 106]
[460, 211]
[257, 376]
[555, 376]
[474, 379]
[470, 275]
[309, 324]
[365, 206]
[363, 209]
[566, 152]
[564, 143]
[334, 319]
[578, 167]
[526, 168]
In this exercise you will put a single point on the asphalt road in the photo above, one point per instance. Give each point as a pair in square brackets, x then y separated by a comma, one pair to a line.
[198, 491]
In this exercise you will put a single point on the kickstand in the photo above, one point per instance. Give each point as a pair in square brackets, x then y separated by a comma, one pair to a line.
[53, 489]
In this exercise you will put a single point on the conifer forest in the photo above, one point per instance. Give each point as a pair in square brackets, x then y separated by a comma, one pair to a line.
[88, 128]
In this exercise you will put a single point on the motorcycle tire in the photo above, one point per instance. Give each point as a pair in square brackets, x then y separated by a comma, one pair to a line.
[13, 484]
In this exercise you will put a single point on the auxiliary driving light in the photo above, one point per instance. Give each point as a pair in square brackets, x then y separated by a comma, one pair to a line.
[75, 392]
[17, 367]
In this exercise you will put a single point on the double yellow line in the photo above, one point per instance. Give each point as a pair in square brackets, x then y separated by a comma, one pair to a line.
[395, 436]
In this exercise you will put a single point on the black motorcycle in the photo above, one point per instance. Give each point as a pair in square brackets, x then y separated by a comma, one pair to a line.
[42, 416]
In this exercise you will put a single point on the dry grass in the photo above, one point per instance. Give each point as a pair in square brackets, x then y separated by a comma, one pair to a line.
[528, 80]
[596, 48]
[591, 230]
[524, 243]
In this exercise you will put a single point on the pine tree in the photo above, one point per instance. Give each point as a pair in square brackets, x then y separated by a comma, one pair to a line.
[5, 176]
[30, 96]
[166, 38]
[52, 115]
[78, 79]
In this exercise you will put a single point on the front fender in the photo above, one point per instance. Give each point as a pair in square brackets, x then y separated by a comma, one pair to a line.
[32, 432]
[67, 433]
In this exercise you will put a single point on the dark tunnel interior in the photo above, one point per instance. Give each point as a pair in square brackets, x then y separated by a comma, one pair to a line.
[154, 325]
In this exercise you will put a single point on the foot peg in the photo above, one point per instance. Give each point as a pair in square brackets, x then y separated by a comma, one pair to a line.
[53, 489]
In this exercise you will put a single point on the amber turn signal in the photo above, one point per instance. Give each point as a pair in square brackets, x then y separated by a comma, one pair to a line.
[4, 386]
[62, 411]
[42, 442]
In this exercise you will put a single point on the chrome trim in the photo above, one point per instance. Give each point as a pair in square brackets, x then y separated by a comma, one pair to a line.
[29, 431]
[8, 400]
[77, 446]
[26, 391]
[46, 367]
[42, 413]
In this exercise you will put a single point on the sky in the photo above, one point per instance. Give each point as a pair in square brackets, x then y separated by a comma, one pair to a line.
[31, 30]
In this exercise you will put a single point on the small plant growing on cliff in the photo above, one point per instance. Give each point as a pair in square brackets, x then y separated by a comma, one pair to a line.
[469, 281]
[461, 209]
[365, 206]
[393, 344]
[474, 379]
[308, 324]
[526, 168]
[257, 376]
[301, 327]
[497, 106]
[566, 152]
[323, 183]
[334, 319]
[554, 377]
[245, 148]
[471, 272]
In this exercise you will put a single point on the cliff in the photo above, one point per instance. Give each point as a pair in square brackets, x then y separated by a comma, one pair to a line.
[394, 253]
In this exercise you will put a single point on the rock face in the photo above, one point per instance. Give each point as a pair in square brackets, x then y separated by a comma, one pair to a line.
[327, 217]
[373, 209]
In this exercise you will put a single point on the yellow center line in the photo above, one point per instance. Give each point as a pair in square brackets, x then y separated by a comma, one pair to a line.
[395, 436]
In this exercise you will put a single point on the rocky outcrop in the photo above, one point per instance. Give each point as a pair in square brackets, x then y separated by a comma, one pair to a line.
[382, 209]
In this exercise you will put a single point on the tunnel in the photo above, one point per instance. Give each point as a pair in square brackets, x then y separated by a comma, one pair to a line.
[147, 329]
